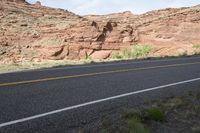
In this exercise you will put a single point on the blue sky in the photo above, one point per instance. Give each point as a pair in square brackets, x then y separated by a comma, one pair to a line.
[83, 7]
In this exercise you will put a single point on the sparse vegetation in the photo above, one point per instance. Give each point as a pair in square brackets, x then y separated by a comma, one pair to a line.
[155, 114]
[178, 102]
[104, 126]
[141, 51]
[182, 53]
[134, 52]
[134, 121]
[195, 129]
[87, 60]
[198, 95]
[179, 111]
[127, 53]
[27, 65]
[132, 113]
[135, 126]
[196, 48]
[116, 55]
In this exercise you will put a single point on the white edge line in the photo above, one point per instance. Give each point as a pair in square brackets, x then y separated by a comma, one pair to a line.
[93, 102]
[101, 65]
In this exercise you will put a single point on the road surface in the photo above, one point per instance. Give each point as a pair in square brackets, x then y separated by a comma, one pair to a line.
[64, 98]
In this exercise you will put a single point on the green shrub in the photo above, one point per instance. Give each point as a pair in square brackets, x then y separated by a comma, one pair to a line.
[134, 119]
[141, 51]
[104, 126]
[155, 114]
[134, 52]
[135, 126]
[116, 55]
[183, 53]
[196, 48]
[132, 113]
[126, 53]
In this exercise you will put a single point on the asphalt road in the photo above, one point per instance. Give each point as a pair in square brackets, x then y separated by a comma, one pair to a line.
[64, 98]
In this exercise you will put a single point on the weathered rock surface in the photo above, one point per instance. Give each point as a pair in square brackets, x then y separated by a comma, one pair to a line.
[16, 1]
[29, 32]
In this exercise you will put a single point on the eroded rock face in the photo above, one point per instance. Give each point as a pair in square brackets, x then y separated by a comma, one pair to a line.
[16, 1]
[30, 32]
[19, 1]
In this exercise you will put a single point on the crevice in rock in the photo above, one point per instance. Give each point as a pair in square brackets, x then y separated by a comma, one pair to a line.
[109, 26]
[58, 52]
[101, 38]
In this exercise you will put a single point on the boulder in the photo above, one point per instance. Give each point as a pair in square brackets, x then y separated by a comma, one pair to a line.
[102, 54]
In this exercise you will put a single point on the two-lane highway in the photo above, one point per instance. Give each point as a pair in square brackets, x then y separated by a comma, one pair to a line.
[57, 99]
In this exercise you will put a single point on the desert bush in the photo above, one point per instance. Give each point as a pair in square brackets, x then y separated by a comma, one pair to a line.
[141, 51]
[116, 55]
[135, 126]
[132, 113]
[126, 53]
[134, 52]
[104, 126]
[134, 121]
[155, 114]
[196, 48]
[182, 53]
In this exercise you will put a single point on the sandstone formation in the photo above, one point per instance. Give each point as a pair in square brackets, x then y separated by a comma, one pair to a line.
[34, 32]
[17, 1]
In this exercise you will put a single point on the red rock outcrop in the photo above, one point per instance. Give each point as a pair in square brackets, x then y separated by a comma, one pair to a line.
[17, 1]
[32, 32]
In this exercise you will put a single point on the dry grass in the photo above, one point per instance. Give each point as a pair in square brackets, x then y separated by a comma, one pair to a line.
[29, 65]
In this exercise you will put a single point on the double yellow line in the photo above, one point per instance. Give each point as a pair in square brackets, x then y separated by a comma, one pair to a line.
[93, 74]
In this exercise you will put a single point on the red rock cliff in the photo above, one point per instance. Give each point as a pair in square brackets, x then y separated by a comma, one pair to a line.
[34, 32]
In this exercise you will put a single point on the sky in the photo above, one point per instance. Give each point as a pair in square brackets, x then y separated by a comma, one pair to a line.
[100, 7]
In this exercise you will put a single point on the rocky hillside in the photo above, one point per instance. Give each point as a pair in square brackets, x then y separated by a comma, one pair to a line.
[35, 32]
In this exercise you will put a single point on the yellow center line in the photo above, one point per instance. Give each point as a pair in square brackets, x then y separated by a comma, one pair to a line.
[93, 74]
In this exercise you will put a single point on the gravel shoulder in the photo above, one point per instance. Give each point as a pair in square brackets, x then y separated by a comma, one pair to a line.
[176, 114]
